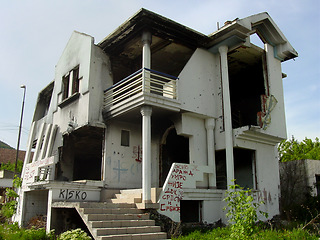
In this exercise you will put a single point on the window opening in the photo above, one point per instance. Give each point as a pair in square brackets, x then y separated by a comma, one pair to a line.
[246, 85]
[81, 156]
[70, 80]
[244, 168]
[125, 138]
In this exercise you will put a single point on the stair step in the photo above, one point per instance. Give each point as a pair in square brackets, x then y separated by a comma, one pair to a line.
[127, 200]
[121, 223]
[101, 217]
[127, 230]
[146, 236]
[111, 211]
[106, 205]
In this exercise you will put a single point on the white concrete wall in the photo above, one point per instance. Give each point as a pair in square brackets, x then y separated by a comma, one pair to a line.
[100, 79]
[198, 82]
[277, 126]
[77, 52]
[128, 158]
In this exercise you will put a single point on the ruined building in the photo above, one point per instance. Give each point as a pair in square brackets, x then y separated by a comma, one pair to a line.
[157, 115]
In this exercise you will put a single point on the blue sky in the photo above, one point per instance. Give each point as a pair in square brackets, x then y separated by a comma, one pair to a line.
[35, 32]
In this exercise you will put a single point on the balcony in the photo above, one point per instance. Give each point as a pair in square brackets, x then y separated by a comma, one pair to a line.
[144, 87]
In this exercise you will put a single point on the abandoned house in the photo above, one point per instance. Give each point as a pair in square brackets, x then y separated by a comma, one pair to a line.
[156, 116]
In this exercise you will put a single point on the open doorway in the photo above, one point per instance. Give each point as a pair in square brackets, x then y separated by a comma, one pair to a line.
[174, 149]
[81, 155]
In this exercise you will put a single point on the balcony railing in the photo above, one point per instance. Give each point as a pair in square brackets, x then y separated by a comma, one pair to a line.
[143, 81]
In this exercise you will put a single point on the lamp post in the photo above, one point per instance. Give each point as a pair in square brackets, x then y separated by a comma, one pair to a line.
[19, 134]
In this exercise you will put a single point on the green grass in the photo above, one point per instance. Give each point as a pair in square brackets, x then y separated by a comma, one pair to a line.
[224, 233]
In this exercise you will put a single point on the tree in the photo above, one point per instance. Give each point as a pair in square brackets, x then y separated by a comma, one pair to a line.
[292, 149]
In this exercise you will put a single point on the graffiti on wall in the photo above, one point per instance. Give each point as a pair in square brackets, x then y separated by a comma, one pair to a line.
[137, 153]
[179, 178]
[120, 170]
[68, 194]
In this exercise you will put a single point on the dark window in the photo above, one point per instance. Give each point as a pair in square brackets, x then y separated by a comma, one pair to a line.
[318, 184]
[125, 138]
[65, 82]
[75, 82]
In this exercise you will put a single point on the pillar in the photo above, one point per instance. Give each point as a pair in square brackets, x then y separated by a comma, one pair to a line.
[223, 50]
[210, 125]
[146, 60]
[146, 112]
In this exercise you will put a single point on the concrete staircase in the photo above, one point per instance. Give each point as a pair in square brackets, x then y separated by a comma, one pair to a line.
[118, 221]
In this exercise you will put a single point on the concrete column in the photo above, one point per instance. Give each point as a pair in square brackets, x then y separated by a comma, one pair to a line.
[49, 211]
[146, 60]
[223, 50]
[210, 125]
[146, 112]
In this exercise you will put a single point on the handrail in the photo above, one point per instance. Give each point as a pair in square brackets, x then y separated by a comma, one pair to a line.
[123, 80]
[155, 82]
[161, 73]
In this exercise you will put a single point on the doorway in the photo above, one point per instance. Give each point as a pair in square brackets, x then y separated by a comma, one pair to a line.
[173, 149]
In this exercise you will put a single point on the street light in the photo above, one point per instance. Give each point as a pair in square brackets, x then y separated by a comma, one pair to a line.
[19, 134]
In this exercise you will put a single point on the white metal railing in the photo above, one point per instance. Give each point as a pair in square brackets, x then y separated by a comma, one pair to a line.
[145, 80]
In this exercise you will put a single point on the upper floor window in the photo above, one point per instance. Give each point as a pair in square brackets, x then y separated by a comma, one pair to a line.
[70, 83]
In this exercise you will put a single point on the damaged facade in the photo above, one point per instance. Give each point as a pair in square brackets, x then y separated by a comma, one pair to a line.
[163, 111]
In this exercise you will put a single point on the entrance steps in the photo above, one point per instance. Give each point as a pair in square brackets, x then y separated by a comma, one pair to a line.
[108, 220]
[135, 196]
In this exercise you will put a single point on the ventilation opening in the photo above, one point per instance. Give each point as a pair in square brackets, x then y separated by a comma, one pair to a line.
[190, 211]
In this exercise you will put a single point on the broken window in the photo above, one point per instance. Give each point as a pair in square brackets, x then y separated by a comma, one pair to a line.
[244, 168]
[70, 79]
[247, 84]
[81, 156]
[43, 102]
[125, 138]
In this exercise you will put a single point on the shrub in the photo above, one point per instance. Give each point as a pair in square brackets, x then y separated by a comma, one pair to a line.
[13, 232]
[242, 211]
[10, 207]
[74, 234]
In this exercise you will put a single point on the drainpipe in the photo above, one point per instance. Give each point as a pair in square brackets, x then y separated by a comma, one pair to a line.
[210, 125]
[223, 50]
[146, 112]
[146, 60]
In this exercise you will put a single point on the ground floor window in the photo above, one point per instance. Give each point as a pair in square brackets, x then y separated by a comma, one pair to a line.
[244, 168]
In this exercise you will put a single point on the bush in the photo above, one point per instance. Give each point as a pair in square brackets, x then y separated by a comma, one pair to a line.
[13, 232]
[74, 234]
[242, 211]
[10, 207]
